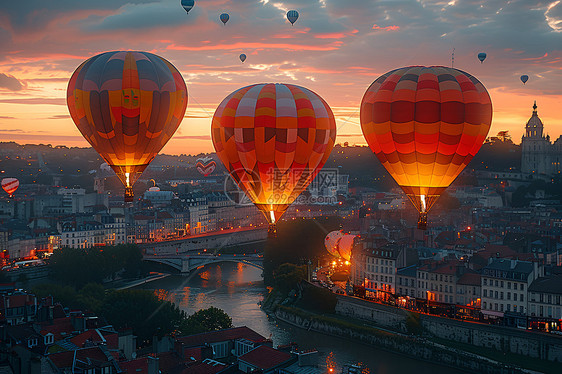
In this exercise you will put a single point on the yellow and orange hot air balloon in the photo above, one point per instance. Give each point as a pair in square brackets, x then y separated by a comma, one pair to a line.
[127, 105]
[273, 139]
[425, 124]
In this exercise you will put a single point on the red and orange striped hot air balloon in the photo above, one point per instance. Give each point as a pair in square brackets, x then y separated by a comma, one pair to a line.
[425, 124]
[127, 105]
[10, 185]
[273, 139]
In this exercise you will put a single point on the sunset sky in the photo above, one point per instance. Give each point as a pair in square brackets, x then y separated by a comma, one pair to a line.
[337, 48]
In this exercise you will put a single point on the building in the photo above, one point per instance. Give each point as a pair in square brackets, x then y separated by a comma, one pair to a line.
[538, 154]
[406, 278]
[545, 302]
[505, 284]
[437, 280]
[263, 359]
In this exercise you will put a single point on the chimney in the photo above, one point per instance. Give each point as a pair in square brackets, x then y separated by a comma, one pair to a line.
[512, 264]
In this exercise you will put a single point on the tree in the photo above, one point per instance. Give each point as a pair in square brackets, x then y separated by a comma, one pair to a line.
[288, 276]
[205, 320]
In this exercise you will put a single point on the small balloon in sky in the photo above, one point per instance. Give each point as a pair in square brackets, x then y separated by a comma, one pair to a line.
[187, 5]
[224, 18]
[292, 16]
[524, 78]
[242, 57]
[482, 56]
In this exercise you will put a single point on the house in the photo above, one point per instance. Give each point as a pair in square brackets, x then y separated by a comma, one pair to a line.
[264, 358]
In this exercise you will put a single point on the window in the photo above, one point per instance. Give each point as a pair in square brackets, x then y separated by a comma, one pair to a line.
[485, 293]
[501, 295]
[496, 294]
[509, 296]
[509, 285]
[485, 282]
[514, 296]
[522, 287]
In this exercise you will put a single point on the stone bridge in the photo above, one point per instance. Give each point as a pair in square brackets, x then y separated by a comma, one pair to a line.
[187, 263]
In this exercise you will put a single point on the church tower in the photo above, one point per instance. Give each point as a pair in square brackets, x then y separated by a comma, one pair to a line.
[535, 147]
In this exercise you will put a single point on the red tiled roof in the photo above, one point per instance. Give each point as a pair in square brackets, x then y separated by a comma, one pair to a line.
[92, 335]
[16, 301]
[140, 365]
[265, 357]
[65, 359]
[221, 336]
[57, 327]
[204, 368]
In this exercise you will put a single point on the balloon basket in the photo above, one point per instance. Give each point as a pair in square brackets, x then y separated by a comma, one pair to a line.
[129, 194]
[272, 231]
[422, 221]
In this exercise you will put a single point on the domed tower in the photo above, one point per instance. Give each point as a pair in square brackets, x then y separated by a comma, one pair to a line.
[535, 147]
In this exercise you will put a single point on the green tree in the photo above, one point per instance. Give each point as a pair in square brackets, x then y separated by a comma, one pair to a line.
[205, 320]
[288, 276]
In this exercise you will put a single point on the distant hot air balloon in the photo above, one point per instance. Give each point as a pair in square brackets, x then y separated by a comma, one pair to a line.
[205, 166]
[127, 105]
[154, 189]
[292, 16]
[242, 57]
[187, 5]
[224, 18]
[273, 139]
[331, 242]
[339, 244]
[345, 245]
[524, 78]
[482, 56]
[425, 124]
[10, 185]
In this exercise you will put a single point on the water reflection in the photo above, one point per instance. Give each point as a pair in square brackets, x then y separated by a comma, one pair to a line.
[237, 289]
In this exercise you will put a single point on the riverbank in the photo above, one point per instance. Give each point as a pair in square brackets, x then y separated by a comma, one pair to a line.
[126, 284]
[408, 345]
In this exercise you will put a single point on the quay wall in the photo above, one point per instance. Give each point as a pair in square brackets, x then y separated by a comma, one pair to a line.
[538, 345]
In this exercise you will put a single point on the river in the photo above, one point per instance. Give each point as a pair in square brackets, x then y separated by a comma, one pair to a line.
[237, 289]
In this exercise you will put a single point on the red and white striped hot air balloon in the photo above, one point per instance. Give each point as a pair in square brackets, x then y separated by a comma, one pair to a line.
[10, 185]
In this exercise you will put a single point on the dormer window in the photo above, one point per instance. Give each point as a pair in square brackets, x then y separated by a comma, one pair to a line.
[32, 342]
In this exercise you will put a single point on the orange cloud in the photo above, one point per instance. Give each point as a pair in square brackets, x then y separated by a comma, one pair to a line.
[387, 28]
[286, 46]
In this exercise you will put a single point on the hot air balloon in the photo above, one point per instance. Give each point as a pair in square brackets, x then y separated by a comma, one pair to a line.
[425, 124]
[187, 5]
[242, 57]
[292, 16]
[482, 56]
[524, 78]
[345, 245]
[10, 185]
[331, 242]
[127, 105]
[154, 189]
[273, 139]
[224, 18]
[205, 166]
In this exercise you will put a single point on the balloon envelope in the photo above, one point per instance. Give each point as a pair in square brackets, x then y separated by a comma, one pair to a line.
[524, 78]
[187, 5]
[425, 124]
[242, 57]
[224, 18]
[127, 105]
[292, 16]
[10, 185]
[205, 166]
[331, 242]
[273, 139]
[482, 56]
[345, 245]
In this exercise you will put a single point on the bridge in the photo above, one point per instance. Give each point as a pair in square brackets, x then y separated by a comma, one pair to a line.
[187, 263]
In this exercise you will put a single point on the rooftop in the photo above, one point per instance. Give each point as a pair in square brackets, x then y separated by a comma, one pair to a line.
[265, 357]
[221, 335]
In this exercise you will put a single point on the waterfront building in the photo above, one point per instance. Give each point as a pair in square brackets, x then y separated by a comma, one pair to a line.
[263, 359]
[468, 289]
[85, 234]
[545, 300]
[406, 278]
[538, 154]
[505, 284]
[437, 280]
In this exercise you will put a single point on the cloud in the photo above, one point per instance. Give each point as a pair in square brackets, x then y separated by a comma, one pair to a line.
[35, 101]
[7, 117]
[59, 116]
[193, 137]
[9, 82]
[386, 28]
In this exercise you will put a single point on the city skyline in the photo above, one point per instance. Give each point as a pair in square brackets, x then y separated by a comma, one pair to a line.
[336, 49]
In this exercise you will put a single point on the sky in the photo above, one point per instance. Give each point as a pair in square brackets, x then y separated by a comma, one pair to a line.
[336, 48]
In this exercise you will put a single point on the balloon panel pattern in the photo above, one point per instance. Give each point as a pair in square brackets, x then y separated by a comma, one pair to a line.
[425, 124]
[10, 185]
[127, 105]
[273, 139]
